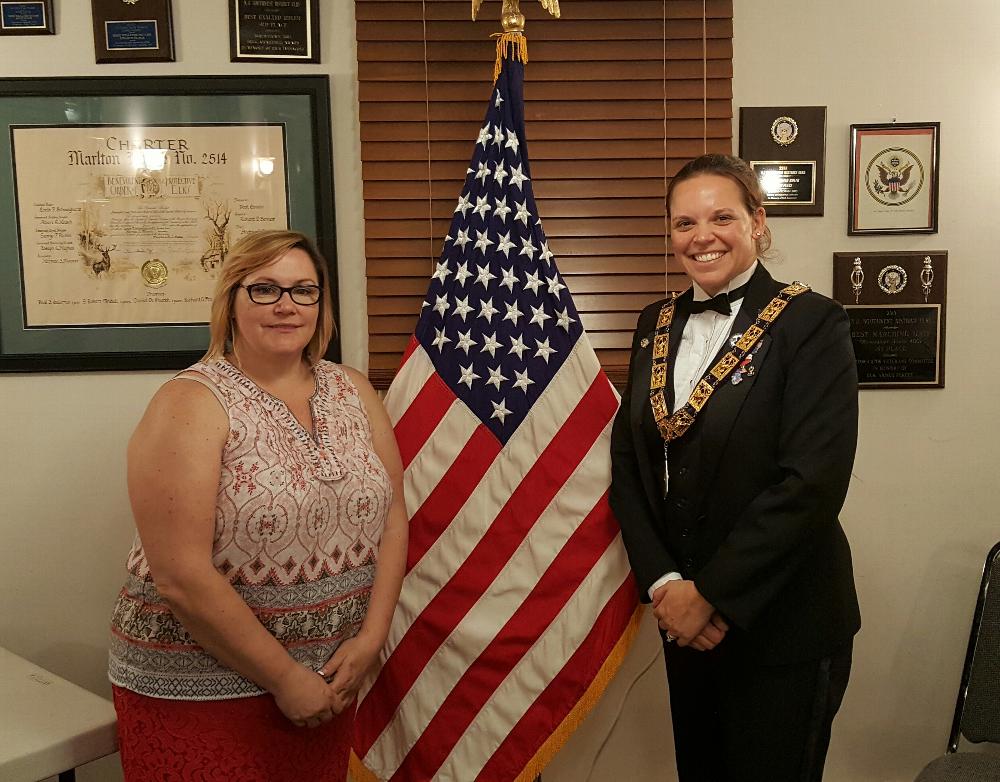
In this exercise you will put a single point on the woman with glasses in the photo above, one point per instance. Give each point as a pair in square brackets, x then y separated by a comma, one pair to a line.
[266, 487]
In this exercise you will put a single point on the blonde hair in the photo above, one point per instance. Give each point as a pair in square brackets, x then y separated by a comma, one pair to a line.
[735, 169]
[255, 251]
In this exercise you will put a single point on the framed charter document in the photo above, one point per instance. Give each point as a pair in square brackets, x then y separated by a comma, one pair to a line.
[894, 178]
[26, 17]
[274, 30]
[123, 196]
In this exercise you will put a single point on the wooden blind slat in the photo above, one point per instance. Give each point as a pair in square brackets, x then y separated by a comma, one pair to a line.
[538, 111]
[554, 227]
[610, 70]
[547, 131]
[550, 30]
[448, 92]
[454, 171]
[552, 208]
[551, 51]
[644, 149]
[569, 266]
[375, 190]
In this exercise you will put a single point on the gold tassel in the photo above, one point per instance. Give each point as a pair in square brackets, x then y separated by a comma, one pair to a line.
[504, 42]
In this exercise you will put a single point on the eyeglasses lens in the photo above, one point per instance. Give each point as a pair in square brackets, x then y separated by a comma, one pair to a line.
[269, 294]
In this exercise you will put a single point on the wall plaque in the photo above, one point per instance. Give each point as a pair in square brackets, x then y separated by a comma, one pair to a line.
[139, 31]
[896, 304]
[274, 30]
[785, 146]
[26, 17]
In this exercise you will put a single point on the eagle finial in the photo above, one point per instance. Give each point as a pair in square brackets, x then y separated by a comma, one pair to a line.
[511, 16]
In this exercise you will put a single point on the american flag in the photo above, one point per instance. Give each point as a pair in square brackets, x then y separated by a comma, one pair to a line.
[518, 602]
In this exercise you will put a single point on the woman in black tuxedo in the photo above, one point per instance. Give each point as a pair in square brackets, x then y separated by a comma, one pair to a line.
[731, 457]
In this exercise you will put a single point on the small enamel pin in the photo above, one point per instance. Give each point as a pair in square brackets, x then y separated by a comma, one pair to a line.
[744, 369]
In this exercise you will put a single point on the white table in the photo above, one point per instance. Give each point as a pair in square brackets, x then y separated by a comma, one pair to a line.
[48, 725]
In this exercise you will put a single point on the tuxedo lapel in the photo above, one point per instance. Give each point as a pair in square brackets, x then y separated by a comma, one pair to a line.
[642, 423]
[681, 314]
[721, 411]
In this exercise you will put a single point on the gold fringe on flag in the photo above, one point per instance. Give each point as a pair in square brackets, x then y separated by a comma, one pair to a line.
[506, 41]
[359, 771]
[585, 705]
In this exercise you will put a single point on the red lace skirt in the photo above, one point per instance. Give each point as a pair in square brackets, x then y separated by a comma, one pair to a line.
[245, 739]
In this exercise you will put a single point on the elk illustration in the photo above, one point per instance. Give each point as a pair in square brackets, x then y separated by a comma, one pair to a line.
[218, 215]
[104, 265]
[90, 226]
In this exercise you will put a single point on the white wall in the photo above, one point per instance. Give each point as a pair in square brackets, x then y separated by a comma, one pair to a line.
[920, 514]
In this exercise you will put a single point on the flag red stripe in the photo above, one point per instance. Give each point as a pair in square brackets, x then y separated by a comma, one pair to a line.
[537, 611]
[409, 349]
[422, 417]
[562, 694]
[451, 493]
[447, 608]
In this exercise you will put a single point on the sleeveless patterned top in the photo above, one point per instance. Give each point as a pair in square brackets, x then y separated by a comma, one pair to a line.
[298, 519]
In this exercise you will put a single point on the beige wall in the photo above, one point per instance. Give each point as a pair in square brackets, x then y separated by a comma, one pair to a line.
[920, 513]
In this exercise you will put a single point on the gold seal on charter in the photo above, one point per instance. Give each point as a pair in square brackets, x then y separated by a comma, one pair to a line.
[154, 273]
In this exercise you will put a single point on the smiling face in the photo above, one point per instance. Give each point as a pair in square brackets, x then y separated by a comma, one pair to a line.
[711, 230]
[279, 329]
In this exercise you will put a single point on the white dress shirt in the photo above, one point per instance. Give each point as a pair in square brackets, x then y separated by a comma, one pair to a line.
[703, 337]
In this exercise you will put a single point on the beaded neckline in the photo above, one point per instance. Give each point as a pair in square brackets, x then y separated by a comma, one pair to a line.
[318, 444]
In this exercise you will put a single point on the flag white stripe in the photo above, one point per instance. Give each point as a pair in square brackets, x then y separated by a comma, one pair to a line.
[571, 505]
[407, 384]
[437, 455]
[532, 674]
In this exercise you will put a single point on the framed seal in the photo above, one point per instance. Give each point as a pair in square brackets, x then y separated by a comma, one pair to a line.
[894, 178]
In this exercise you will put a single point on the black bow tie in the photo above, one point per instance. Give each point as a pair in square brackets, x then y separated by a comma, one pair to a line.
[718, 303]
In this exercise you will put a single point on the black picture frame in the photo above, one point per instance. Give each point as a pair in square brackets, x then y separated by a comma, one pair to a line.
[274, 31]
[894, 178]
[27, 17]
[300, 103]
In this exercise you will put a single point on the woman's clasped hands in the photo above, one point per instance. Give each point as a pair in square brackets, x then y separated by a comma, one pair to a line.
[310, 698]
[687, 617]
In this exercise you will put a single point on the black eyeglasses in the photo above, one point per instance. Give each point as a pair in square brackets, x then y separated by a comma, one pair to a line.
[269, 293]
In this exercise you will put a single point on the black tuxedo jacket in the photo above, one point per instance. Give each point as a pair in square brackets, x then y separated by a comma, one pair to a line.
[756, 483]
